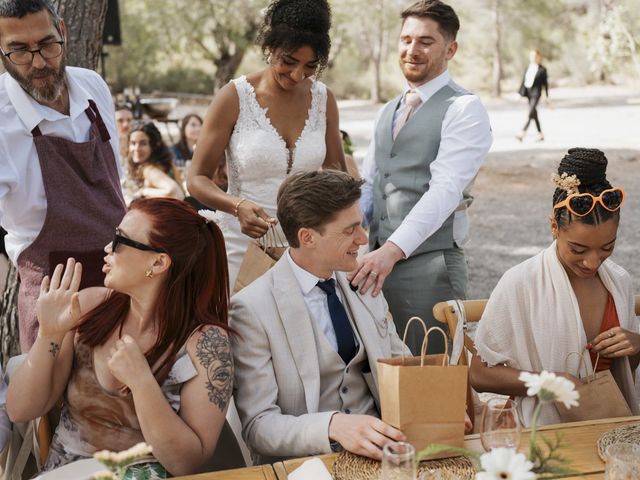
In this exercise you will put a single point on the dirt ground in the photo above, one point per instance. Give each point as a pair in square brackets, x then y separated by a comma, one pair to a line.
[510, 214]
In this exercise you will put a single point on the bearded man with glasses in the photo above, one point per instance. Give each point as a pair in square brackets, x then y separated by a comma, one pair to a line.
[60, 190]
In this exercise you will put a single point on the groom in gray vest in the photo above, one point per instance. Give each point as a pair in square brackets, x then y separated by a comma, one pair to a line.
[429, 143]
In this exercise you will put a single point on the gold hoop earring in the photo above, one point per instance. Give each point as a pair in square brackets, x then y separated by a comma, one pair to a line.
[148, 273]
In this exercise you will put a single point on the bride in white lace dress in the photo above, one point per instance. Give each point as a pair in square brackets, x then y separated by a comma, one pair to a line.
[269, 123]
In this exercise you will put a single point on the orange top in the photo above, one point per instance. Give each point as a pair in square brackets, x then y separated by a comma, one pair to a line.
[609, 320]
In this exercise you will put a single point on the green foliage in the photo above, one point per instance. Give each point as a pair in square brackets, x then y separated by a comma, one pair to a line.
[437, 448]
[547, 461]
[192, 45]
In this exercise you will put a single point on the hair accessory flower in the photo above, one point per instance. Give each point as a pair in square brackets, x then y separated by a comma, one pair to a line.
[568, 183]
[208, 215]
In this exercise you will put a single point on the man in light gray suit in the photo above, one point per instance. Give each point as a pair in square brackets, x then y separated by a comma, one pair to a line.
[307, 344]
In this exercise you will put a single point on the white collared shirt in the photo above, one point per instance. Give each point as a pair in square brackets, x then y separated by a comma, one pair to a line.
[23, 204]
[316, 299]
[530, 75]
[465, 140]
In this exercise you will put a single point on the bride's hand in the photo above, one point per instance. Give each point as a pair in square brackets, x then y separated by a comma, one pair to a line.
[58, 306]
[254, 221]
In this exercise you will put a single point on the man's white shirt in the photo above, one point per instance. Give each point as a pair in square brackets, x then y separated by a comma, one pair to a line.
[316, 300]
[465, 140]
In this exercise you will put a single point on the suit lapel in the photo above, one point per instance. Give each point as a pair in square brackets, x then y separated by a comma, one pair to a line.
[374, 337]
[297, 326]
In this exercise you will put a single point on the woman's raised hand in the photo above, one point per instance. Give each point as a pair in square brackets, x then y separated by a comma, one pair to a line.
[58, 306]
[254, 221]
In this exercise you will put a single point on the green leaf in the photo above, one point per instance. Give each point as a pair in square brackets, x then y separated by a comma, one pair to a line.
[436, 448]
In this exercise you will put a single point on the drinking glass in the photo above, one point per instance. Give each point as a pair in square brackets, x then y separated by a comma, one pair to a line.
[500, 424]
[623, 462]
[398, 461]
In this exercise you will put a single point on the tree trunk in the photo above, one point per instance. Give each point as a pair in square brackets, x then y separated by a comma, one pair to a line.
[497, 51]
[226, 67]
[376, 59]
[9, 329]
[84, 21]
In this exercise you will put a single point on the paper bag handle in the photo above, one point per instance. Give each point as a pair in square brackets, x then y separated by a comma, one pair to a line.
[404, 337]
[425, 342]
[581, 363]
[271, 238]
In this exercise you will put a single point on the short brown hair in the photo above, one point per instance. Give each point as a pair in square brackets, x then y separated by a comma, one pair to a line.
[439, 12]
[313, 199]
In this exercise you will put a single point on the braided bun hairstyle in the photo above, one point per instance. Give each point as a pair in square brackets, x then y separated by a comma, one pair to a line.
[291, 24]
[589, 165]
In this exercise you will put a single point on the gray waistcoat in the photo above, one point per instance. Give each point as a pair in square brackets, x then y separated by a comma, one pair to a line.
[403, 168]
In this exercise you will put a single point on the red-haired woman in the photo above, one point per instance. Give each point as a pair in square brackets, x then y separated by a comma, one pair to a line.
[145, 359]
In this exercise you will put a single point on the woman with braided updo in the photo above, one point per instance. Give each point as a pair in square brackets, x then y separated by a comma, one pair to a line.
[568, 298]
[271, 123]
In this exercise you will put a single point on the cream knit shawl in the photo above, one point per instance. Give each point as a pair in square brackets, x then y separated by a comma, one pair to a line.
[532, 321]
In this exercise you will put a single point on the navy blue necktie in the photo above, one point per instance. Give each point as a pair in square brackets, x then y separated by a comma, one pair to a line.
[340, 320]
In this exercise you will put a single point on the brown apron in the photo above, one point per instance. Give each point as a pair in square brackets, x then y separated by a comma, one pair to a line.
[84, 206]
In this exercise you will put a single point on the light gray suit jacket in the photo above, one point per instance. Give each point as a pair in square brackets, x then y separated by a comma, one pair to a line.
[277, 374]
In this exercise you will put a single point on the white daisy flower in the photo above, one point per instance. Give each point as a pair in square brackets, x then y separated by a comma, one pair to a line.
[550, 388]
[505, 464]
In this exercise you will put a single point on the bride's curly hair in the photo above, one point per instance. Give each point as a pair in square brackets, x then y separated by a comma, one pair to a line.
[291, 24]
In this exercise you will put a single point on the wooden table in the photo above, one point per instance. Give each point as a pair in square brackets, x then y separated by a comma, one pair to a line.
[261, 472]
[580, 437]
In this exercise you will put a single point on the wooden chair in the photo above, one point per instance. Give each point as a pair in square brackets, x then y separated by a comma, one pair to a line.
[445, 313]
[637, 305]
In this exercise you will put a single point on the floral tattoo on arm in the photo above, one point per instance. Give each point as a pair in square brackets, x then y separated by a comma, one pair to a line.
[214, 352]
[54, 348]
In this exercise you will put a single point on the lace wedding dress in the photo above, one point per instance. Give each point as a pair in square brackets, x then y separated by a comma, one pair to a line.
[258, 161]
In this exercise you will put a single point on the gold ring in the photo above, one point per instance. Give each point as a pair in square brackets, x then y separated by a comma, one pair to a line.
[612, 334]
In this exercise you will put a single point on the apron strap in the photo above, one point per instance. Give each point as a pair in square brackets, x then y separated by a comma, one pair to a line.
[94, 115]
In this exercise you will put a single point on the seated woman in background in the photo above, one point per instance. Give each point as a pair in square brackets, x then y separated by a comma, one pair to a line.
[567, 298]
[189, 130]
[150, 169]
[145, 359]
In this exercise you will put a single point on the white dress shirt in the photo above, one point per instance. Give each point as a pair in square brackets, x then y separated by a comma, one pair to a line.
[23, 204]
[530, 75]
[316, 300]
[465, 140]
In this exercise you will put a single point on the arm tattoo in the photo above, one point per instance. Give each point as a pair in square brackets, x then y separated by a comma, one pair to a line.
[54, 348]
[214, 352]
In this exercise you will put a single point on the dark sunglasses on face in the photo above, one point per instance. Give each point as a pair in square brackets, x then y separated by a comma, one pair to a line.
[119, 239]
[581, 204]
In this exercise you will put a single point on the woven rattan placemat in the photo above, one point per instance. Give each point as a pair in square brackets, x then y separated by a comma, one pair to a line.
[624, 434]
[353, 467]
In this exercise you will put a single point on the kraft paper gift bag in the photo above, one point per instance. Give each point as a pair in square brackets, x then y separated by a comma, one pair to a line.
[261, 255]
[600, 396]
[424, 396]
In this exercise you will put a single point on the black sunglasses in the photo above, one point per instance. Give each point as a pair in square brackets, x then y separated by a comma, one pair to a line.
[117, 239]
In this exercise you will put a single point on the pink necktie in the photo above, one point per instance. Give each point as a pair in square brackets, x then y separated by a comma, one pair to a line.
[411, 100]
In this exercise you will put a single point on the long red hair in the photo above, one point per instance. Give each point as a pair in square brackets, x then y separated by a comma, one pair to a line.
[196, 292]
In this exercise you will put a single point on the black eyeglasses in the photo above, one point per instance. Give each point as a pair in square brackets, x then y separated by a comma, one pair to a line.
[117, 239]
[25, 57]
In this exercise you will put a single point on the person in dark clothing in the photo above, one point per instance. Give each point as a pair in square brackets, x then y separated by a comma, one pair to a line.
[533, 81]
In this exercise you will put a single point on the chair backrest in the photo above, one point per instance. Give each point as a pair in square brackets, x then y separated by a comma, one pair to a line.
[637, 298]
[29, 444]
[472, 311]
[445, 313]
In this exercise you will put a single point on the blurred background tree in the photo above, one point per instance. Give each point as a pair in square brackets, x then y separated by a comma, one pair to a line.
[196, 46]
